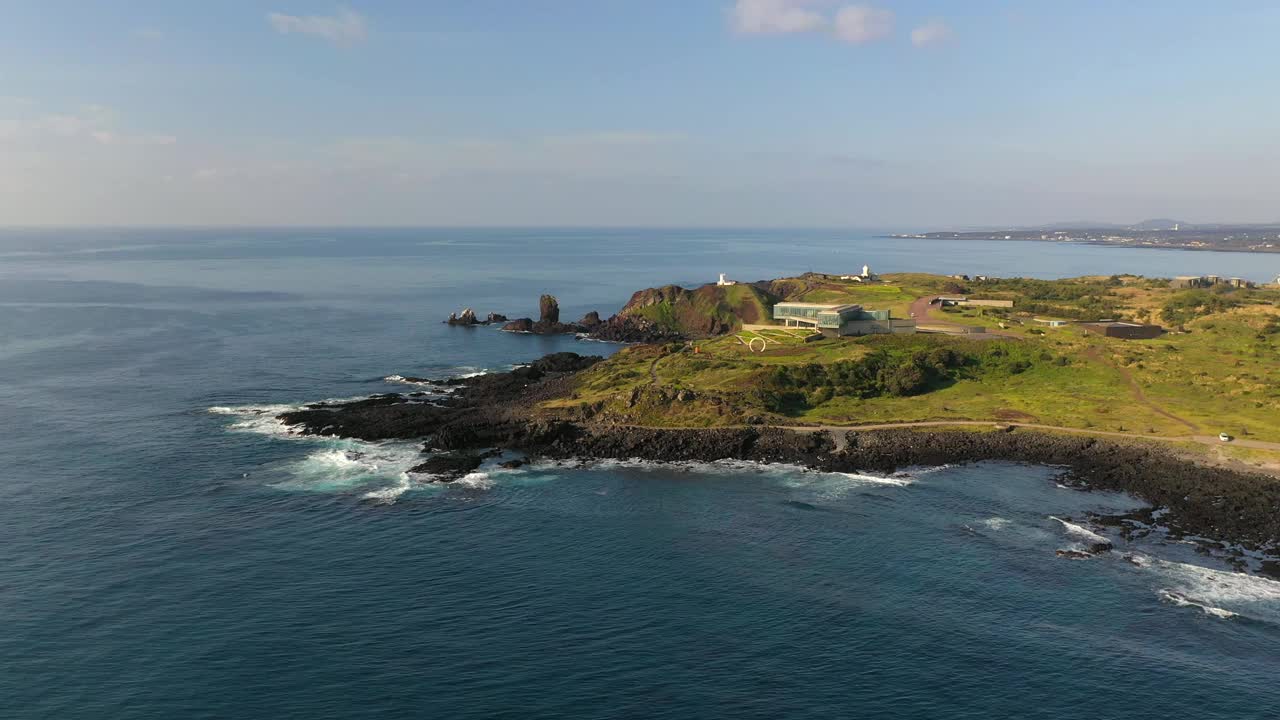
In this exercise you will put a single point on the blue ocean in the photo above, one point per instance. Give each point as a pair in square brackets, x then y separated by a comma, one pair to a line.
[167, 550]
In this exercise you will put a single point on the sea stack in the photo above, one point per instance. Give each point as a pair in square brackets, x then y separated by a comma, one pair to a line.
[549, 310]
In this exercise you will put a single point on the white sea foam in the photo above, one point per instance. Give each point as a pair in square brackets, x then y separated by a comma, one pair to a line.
[345, 465]
[1081, 532]
[895, 480]
[787, 471]
[475, 480]
[996, 523]
[406, 381]
[1220, 593]
[260, 419]
[389, 495]
[1175, 598]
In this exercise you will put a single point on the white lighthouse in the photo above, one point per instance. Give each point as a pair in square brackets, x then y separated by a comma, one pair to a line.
[866, 272]
[723, 282]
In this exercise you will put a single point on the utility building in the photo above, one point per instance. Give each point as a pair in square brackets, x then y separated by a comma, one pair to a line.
[1124, 330]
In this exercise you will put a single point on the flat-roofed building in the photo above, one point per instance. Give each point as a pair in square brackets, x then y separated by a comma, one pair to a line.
[840, 320]
[1124, 330]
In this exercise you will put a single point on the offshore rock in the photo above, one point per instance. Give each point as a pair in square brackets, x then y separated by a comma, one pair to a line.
[548, 310]
[523, 325]
[467, 317]
[448, 467]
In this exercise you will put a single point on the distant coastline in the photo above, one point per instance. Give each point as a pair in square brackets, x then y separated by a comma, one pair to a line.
[1176, 236]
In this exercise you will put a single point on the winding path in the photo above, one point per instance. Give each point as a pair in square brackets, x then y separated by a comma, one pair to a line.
[838, 431]
[1095, 354]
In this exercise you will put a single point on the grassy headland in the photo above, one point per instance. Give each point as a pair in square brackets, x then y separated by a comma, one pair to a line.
[1217, 370]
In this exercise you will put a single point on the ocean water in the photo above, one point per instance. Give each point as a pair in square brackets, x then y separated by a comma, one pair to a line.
[167, 550]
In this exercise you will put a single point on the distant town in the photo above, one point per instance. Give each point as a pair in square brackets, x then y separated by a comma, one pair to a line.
[1159, 234]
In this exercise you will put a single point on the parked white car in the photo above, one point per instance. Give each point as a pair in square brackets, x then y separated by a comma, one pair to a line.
[1225, 437]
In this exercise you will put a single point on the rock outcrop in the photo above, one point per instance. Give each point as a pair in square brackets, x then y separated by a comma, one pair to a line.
[671, 311]
[548, 322]
[468, 318]
[548, 310]
[501, 410]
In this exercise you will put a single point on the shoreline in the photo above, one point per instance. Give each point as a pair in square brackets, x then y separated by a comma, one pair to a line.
[1188, 248]
[1190, 496]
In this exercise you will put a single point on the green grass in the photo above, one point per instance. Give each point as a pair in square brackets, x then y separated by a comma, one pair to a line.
[1224, 375]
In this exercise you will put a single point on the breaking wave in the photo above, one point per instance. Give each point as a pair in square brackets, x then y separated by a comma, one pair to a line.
[344, 465]
[815, 483]
[1081, 532]
[460, 373]
[259, 419]
[1219, 593]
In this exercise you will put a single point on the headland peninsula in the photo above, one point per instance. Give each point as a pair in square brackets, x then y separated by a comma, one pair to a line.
[1165, 388]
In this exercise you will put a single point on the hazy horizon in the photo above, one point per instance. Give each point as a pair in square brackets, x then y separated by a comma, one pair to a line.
[909, 115]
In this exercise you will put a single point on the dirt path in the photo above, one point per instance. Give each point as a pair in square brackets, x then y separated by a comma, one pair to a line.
[922, 312]
[838, 431]
[1095, 353]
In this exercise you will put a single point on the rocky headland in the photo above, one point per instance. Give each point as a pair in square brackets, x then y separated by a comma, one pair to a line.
[502, 411]
[652, 315]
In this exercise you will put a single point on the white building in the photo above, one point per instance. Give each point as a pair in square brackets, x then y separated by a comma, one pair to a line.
[723, 282]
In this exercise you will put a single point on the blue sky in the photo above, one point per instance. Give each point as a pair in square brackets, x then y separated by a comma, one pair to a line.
[910, 114]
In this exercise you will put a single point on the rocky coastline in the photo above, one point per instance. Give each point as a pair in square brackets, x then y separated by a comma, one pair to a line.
[621, 328]
[496, 412]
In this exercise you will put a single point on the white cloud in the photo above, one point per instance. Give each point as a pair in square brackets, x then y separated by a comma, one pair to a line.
[858, 24]
[774, 17]
[854, 24]
[934, 32]
[90, 122]
[344, 28]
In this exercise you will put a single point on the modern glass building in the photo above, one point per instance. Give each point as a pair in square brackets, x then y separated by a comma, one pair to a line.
[836, 320]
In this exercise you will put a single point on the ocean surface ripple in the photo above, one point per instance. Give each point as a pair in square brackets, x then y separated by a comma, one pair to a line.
[167, 549]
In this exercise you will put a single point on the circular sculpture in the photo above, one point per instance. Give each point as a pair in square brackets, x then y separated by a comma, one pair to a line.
[752, 345]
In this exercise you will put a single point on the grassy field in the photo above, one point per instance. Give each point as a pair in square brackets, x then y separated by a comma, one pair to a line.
[1221, 372]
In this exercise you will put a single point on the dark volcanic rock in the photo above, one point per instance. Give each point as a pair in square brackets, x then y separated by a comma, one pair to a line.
[468, 317]
[632, 329]
[521, 325]
[475, 415]
[501, 410]
[590, 320]
[548, 310]
[1074, 554]
[448, 467]
[563, 362]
